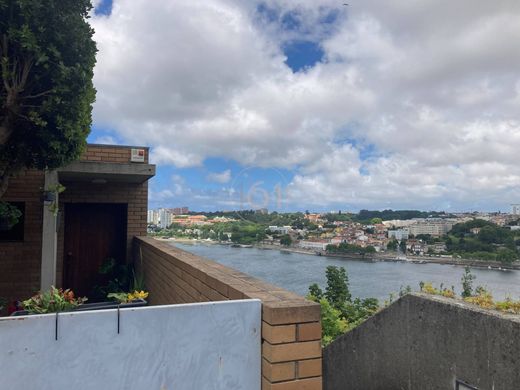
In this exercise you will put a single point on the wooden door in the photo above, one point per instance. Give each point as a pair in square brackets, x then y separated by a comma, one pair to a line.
[93, 233]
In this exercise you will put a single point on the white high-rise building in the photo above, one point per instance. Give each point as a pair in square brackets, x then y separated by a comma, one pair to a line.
[165, 218]
[515, 209]
[153, 217]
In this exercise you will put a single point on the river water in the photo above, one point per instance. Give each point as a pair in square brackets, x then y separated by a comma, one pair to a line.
[295, 271]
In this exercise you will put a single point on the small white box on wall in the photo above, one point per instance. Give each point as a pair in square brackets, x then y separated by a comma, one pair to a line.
[137, 156]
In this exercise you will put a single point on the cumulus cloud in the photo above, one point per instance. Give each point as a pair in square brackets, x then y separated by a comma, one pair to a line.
[106, 139]
[220, 177]
[416, 104]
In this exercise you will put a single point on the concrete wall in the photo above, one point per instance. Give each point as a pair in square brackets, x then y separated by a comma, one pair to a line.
[291, 329]
[427, 342]
[182, 347]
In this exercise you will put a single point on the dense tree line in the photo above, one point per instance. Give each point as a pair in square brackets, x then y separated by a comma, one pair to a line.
[350, 249]
[483, 240]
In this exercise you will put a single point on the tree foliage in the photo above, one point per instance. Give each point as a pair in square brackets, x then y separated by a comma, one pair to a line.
[488, 242]
[332, 323]
[286, 240]
[467, 283]
[47, 56]
[337, 291]
[339, 312]
[392, 245]
[385, 215]
[344, 248]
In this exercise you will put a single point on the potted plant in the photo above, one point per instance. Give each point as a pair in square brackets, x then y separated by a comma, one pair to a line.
[133, 297]
[52, 301]
[50, 196]
[9, 216]
[120, 299]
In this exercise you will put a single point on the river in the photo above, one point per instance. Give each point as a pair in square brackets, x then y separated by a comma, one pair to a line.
[295, 271]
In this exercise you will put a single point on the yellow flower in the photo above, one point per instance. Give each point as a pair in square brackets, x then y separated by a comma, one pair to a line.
[137, 295]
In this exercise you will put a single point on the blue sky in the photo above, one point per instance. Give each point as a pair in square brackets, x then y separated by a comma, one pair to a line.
[104, 7]
[250, 186]
[309, 104]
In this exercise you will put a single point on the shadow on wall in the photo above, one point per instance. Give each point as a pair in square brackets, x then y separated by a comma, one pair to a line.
[427, 342]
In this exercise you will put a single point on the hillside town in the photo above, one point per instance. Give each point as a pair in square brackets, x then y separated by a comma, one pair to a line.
[343, 232]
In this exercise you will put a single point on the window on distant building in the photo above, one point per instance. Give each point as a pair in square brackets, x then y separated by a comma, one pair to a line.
[16, 233]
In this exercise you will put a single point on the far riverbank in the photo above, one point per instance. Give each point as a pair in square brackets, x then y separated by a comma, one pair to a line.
[377, 257]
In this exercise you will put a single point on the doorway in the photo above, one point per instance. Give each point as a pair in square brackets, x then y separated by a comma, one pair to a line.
[94, 233]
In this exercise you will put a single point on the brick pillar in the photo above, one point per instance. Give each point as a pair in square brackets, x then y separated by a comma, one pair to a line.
[291, 346]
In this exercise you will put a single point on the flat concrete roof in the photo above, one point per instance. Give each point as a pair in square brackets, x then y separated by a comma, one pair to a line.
[107, 172]
[118, 146]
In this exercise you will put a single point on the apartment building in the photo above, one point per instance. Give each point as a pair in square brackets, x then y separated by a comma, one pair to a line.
[435, 227]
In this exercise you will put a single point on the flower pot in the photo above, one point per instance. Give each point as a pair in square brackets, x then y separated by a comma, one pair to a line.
[48, 196]
[94, 306]
[110, 305]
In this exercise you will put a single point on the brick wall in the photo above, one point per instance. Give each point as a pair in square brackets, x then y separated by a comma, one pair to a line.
[291, 329]
[20, 261]
[111, 153]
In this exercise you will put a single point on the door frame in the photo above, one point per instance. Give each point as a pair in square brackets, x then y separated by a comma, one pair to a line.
[65, 277]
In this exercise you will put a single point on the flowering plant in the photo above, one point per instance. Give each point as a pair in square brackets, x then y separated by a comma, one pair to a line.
[128, 297]
[54, 300]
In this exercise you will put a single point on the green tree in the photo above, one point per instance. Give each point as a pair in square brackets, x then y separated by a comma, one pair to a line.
[332, 325]
[337, 290]
[392, 245]
[402, 246]
[467, 283]
[286, 240]
[47, 56]
[315, 291]
[339, 312]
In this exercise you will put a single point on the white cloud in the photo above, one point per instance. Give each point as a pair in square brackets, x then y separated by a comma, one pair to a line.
[106, 140]
[431, 88]
[220, 177]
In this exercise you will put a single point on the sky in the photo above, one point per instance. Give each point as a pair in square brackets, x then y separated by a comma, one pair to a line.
[313, 105]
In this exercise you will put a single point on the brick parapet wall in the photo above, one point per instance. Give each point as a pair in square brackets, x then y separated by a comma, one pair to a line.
[291, 329]
[111, 153]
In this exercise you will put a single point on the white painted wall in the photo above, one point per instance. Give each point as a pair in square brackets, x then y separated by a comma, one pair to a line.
[204, 346]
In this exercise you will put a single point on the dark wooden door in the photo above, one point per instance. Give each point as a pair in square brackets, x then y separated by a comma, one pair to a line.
[93, 233]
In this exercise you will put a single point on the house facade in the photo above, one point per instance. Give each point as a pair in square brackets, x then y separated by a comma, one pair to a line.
[64, 242]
